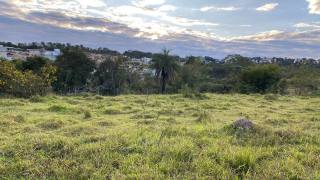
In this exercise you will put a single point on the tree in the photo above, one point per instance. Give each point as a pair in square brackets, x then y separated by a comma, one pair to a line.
[260, 78]
[35, 64]
[238, 60]
[111, 74]
[74, 70]
[165, 66]
[25, 83]
[194, 73]
[305, 80]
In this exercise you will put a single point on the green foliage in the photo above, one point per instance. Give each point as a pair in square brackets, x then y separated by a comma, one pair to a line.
[166, 67]
[111, 76]
[74, 70]
[75, 73]
[35, 64]
[27, 83]
[260, 79]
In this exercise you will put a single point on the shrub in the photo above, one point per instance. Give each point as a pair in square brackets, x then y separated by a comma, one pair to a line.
[260, 79]
[25, 84]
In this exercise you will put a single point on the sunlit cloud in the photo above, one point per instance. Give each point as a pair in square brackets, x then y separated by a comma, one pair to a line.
[314, 6]
[214, 8]
[147, 3]
[166, 8]
[267, 7]
[153, 24]
[313, 25]
[263, 36]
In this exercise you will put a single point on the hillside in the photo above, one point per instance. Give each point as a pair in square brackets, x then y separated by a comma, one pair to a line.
[159, 137]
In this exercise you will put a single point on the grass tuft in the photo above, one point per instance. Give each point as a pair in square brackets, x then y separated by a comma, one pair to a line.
[51, 124]
[57, 108]
[87, 114]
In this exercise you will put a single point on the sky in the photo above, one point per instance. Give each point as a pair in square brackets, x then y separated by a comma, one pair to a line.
[267, 28]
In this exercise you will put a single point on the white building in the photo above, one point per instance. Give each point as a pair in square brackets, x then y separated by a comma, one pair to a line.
[10, 53]
[36, 52]
[6, 52]
[143, 61]
[52, 55]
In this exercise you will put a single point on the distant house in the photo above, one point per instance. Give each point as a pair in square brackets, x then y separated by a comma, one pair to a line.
[141, 61]
[11, 53]
[3, 52]
[35, 52]
[52, 55]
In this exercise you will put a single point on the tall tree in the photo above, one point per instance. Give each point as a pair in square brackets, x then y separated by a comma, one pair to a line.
[74, 70]
[165, 66]
[111, 74]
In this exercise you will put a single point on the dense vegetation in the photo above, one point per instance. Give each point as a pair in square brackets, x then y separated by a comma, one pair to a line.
[74, 72]
[159, 137]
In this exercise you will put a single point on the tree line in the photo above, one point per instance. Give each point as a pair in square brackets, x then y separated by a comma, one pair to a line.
[74, 72]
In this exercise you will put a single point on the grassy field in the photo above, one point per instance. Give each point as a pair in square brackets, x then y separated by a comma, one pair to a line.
[159, 137]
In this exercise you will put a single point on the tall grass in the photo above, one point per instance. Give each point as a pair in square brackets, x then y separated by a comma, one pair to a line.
[159, 137]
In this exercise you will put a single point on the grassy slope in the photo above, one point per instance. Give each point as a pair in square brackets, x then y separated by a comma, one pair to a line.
[159, 137]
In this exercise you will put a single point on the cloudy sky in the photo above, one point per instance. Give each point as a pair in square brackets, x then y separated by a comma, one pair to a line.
[287, 28]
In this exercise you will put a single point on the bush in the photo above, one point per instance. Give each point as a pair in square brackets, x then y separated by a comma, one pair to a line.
[260, 79]
[25, 84]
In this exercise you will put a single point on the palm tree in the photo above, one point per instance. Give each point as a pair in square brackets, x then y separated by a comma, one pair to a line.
[165, 66]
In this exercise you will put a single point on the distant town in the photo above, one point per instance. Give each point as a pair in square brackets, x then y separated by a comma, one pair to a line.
[52, 51]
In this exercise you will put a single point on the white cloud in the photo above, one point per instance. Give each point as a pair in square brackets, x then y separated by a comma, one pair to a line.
[91, 3]
[245, 25]
[263, 36]
[267, 7]
[166, 8]
[148, 3]
[213, 8]
[149, 18]
[314, 6]
[312, 25]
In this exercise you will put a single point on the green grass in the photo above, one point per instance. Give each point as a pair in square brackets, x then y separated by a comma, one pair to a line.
[159, 137]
